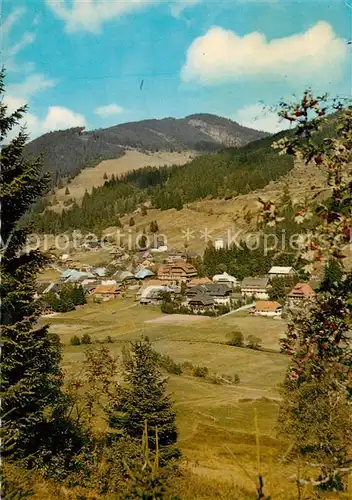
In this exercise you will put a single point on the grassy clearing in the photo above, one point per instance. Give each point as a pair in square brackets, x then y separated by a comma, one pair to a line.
[132, 160]
[216, 422]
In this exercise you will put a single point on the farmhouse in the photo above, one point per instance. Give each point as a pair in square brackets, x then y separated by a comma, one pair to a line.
[179, 270]
[125, 277]
[219, 293]
[267, 308]
[301, 292]
[255, 287]
[201, 302]
[281, 272]
[154, 294]
[105, 292]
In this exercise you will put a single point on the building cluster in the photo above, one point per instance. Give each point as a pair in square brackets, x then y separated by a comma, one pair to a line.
[176, 280]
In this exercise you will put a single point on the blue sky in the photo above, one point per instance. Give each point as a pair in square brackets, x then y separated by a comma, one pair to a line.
[81, 62]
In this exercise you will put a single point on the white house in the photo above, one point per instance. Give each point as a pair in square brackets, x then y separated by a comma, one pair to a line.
[226, 279]
[255, 287]
[281, 272]
[267, 308]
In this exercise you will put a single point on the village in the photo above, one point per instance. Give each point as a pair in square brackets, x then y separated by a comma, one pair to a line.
[167, 278]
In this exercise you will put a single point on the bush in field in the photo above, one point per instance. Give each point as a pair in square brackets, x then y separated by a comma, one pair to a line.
[86, 339]
[254, 342]
[200, 371]
[236, 339]
[170, 365]
[75, 340]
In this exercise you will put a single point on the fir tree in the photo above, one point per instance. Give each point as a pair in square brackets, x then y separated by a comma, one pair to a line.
[131, 222]
[154, 228]
[67, 191]
[144, 399]
[105, 176]
[34, 425]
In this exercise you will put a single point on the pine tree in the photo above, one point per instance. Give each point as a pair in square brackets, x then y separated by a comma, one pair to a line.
[154, 228]
[144, 399]
[131, 222]
[105, 176]
[34, 425]
[67, 191]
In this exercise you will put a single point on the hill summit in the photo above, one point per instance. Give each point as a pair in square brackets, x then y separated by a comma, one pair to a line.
[67, 152]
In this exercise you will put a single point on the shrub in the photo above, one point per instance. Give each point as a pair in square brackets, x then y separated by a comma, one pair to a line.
[170, 365]
[75, 340]
[254, 342]
[200, 371]
[236, 339]
[86, 339]
[187, 365]
[236, 378]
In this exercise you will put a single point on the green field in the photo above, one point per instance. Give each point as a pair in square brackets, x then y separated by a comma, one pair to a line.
[216, 422]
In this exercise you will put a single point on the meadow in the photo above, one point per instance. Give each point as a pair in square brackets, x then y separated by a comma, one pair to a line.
[216, 422]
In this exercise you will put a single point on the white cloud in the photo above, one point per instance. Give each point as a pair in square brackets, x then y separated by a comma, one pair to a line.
[256, 116]
[180, 5]
[10, 51]
[31, 85]
[26, 39]
[89, 15]
[109, 110]
[56, 118]
[60, 118]
[223, 56]
[11, 19]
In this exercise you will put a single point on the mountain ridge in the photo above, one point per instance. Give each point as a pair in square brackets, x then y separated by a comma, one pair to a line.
[67, 152]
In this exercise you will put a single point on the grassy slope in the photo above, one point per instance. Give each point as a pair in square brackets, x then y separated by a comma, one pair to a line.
[131, 160]
[212, 419]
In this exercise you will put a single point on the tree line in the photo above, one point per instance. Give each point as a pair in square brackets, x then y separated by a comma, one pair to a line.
[222, 175]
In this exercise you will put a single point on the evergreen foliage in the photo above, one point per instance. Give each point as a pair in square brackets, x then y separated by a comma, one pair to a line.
[143, 398]
[34, 422]
[71, 295]
[238, 171]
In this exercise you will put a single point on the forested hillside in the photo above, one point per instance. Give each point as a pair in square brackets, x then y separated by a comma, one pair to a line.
[222, 175]
[67, 152]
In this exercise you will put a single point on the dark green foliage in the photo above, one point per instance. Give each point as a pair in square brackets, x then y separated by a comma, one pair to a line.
[200, 371]
[168, 364]
[143, 242]
[236, 339]
[254, 342]
[238, 171]
[71, 295]
[154, 228]
[281, 287]
[144, 399]
[67, 152]
[86, 339]
[75, 340]
[34, 423]
[332, 273]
